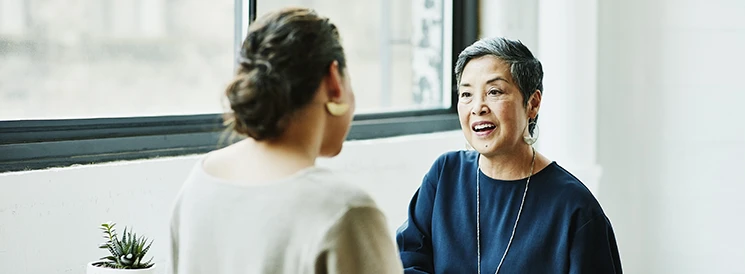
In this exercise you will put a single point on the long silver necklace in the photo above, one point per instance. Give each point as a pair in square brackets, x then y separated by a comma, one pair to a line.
[478, 214]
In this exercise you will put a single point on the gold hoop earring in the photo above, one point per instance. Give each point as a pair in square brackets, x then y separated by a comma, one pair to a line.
[337, 109]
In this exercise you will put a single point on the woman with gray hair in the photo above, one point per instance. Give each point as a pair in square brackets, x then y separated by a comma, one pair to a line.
[503, 207]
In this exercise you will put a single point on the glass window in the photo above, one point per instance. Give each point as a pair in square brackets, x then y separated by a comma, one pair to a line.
[63, 59]
[112, 80]
[398, 51]
[113, 58]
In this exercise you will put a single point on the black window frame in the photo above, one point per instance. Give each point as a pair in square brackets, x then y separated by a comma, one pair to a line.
[39, 144]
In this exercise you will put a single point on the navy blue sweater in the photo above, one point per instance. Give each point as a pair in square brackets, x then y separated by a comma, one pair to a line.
[562, 228]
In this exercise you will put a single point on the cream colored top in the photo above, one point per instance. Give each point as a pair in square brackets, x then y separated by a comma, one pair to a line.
[311, 222]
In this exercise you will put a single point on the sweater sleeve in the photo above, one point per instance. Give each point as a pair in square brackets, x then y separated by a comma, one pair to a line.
[359, 243]
[414, 236]
[594, 249]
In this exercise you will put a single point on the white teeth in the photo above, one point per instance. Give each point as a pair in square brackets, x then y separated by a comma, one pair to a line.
[482, 126]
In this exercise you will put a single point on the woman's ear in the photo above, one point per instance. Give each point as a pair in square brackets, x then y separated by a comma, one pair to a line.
[334, 82]
[534, 104]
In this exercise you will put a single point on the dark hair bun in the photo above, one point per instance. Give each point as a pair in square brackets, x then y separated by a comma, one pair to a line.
[259, 100]
[284, 58]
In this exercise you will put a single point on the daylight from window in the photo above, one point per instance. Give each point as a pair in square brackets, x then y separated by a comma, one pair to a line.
[62, 59]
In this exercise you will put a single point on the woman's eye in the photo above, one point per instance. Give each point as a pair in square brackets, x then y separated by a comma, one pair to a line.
[465, 94]
[494, 92]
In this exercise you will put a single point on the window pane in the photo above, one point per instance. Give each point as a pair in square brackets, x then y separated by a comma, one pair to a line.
[397, 50]
[113, 58]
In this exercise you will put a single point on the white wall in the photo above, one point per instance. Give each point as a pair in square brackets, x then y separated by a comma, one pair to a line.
[49, 218]
[667, 112]
[670, 132]
[510, 18]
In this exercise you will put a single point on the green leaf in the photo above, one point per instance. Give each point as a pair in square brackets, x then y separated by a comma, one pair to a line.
[124, 235]
[114, 251]
[118, 246]
[140, 245]
[132, 242]
[108, 259]
[149, 263]
[144, 251]
[119, 260]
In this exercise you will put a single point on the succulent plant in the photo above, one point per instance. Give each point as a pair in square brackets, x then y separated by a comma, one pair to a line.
[125, 253]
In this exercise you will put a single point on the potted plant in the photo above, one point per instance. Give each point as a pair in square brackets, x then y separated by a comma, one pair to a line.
[126, 255]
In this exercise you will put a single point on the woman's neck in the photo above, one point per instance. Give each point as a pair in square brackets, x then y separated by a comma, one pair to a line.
[284, 154]
[250, 160]
[299, 146]
[514, 165]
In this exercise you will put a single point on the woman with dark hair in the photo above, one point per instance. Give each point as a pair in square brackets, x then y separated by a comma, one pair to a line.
[503, 207]
[261, 205]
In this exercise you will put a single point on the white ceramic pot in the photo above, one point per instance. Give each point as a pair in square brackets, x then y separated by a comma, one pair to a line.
[92, 269]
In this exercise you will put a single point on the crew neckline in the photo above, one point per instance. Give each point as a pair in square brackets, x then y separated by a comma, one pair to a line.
[202, 172]
[538, 174]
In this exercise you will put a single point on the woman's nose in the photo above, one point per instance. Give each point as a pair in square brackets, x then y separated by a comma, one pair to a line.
[479, 108]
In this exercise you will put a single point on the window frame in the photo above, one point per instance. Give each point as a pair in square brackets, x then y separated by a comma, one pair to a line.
[39, 144]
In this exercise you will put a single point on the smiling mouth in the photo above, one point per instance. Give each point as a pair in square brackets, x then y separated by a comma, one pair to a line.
[483, 127]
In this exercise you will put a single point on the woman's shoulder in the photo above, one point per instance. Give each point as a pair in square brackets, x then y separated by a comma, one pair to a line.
[569, 192]
[331, 189]
[561, 180]
[313, 187]
[448, 165]
[457, 155]
[455, 158]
